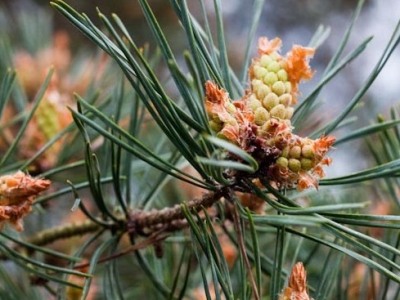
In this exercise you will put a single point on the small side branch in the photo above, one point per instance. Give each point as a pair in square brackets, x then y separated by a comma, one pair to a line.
[170, 216]
[51, 235]
[140, 222]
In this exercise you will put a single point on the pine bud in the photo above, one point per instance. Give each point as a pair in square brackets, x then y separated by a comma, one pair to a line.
[270, 101]
[263, 91]
[261, 115]
[307, 151]
[278, 88]
[294, 165]
[270, 78]
[47, 118]
[274, 66]
[260, 72]
[295, 152]
[265, 60]
[282, 75]
[256, 84]
[288, 87]
[285, 99]
[253, 103]
[278, 111]
[282, 162]
[306, 164]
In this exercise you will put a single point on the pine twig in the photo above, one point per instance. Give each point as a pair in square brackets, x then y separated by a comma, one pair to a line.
[51, 235]
[141, 220]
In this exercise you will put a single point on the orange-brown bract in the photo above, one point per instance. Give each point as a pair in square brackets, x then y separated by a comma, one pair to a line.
[297, 285]
[17, 193]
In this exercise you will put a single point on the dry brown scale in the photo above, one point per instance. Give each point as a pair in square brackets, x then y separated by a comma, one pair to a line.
[17, 193]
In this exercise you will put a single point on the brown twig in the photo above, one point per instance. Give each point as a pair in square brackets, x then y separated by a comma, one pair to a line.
[159, 230]
[142, 220]
[51, 235]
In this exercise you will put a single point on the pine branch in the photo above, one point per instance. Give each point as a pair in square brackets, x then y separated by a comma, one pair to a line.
[169, 217]
[140, 222]
[54, 234]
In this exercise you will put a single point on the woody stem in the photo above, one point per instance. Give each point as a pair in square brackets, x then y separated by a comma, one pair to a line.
[169, 218]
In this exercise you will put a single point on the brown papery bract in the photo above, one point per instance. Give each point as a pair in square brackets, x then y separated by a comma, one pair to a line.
[17, 193]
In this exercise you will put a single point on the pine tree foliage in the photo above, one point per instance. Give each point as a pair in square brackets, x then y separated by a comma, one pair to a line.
[165, 205]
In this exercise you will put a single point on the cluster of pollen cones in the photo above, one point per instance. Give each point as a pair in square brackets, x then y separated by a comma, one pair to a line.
[260, 122]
